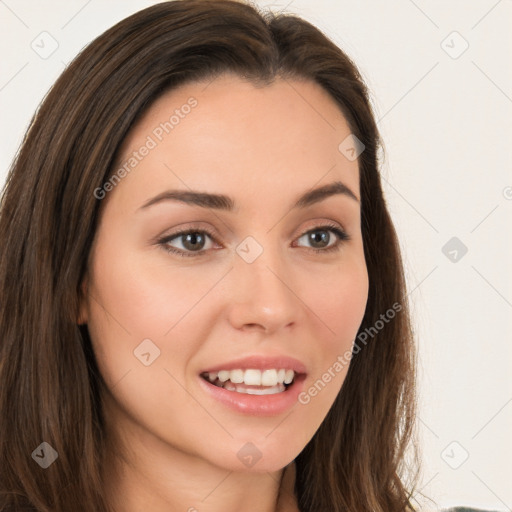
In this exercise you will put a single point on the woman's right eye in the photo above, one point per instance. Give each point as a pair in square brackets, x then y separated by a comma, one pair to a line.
[190, 242]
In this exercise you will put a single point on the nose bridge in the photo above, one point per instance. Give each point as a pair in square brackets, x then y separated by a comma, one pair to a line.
[264, 292]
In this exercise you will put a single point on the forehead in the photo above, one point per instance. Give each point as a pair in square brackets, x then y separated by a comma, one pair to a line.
[233, 134]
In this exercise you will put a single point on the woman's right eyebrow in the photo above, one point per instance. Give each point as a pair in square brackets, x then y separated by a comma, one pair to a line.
[226, 203]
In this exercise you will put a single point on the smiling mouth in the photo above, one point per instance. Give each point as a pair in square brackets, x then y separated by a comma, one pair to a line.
[252, 381]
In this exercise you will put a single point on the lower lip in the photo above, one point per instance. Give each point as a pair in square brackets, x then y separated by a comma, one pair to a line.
[257, 405]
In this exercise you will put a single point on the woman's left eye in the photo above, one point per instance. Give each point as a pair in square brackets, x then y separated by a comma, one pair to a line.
[195, 242]
[321, 238]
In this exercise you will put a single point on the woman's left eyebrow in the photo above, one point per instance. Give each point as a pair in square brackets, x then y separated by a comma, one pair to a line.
[223, 202]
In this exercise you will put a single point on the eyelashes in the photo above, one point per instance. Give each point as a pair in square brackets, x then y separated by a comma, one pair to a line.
[195, 237]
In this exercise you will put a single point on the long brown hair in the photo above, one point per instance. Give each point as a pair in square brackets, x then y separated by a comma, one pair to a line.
[49, 381]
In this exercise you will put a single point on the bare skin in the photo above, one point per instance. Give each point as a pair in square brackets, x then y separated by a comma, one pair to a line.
[263, 147]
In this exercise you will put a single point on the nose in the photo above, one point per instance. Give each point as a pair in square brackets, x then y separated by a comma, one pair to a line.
[261, 295]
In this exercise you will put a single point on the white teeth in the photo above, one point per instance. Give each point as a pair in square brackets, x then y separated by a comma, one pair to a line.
[253, 377]
[236, 376]
[224, 375]
[288, 377]
[269, 378]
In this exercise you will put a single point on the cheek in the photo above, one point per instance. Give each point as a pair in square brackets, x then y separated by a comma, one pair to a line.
[148, 299]
[338, 297]
[133, 301]
[344, 305]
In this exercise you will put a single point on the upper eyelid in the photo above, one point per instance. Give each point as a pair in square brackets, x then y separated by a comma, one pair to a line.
[326, 225]
[195, 227]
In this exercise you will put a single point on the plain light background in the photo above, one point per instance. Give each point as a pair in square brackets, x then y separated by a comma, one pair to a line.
[441, 82]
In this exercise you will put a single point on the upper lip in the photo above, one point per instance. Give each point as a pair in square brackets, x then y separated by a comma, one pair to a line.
[260, 362]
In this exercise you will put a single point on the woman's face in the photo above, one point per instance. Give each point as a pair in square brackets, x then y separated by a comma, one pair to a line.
[264, 280]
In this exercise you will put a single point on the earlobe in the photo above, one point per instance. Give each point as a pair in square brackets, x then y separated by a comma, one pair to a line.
[82, 304]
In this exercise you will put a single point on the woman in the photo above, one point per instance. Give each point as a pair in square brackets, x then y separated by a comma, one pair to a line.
[203, 299]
